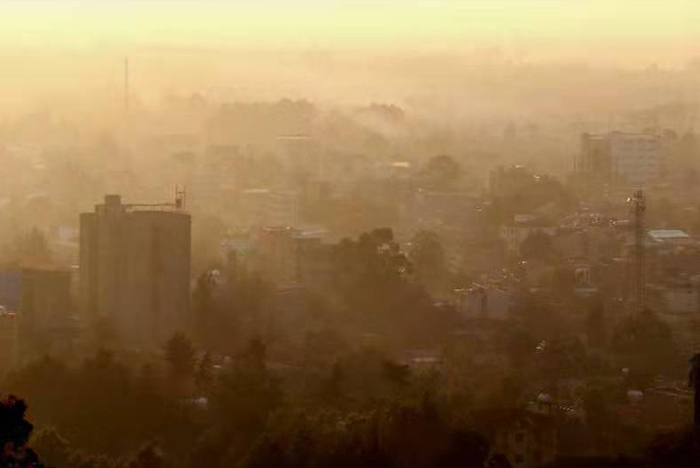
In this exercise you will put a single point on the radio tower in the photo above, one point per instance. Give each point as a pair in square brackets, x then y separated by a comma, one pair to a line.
[126, 86]
[639, 207]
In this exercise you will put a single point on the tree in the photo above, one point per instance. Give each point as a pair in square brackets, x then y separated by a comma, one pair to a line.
[370, 276]
[54, 449]
[466, 448]
[150, 456]
[204, 377]
[332, 387]
[694, 383]
[397, 374]
[441, 172]
[677, 450]
[180, 356]
[257, 353]
[87, 460]
[147, 384]
[645, 344]
[34, 378]
[14, 434]
[244, 397]
[103, 428]
[203, 306]
[521, 191]
[536, 316]
[323, 347]
[428, 257]
[498, 460]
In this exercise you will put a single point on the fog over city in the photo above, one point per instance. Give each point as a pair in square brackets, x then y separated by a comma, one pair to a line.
[390, 234]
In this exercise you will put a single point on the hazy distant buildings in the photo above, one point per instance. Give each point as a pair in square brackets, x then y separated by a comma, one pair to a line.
[435, 210]
[275, 255]
[9, 332]
[236, 254]
[515, 233]
[265, 207]
[41, 298]
[484, 302]
[285, 255]
[505, 180]
[621, 158]
[135, 268]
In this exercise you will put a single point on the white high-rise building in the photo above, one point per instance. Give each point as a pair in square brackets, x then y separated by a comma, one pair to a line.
[624, 158]
[635, 157]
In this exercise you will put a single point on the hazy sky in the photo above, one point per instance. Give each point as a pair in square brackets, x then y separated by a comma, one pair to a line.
[319, 48]
[570, 28]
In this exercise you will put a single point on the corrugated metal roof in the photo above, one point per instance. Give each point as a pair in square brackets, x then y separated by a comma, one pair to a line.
[668, 234]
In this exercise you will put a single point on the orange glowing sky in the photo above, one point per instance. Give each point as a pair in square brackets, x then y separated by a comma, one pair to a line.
[610, 29]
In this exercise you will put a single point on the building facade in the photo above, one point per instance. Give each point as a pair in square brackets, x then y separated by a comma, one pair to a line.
[285, 255]
[40, 304]
[135, 268]
[621, 158]
[8, 341]
[484, 302]
[266, 207]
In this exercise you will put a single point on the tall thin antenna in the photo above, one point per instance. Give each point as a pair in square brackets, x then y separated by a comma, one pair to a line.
[126, 86]
[639, 207]
[180, 197]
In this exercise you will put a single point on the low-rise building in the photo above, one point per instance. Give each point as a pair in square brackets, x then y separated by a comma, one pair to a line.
[484, 302]
[286, 255]
[515, 233]
[9, 340]
[268, 207]
[41, 298]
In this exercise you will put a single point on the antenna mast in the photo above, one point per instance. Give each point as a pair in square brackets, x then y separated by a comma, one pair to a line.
[639, 206]
[126, 86]
[180, 196]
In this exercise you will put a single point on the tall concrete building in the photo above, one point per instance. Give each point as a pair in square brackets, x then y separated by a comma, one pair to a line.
[135, 268]
[622, 158]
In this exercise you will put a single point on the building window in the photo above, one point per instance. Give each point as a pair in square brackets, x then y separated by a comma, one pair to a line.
[519, 437]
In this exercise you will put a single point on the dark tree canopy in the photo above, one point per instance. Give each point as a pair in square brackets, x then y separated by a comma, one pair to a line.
[14, 434]
[645, 343]
[441, 172]
[180, 355]
[428, 257]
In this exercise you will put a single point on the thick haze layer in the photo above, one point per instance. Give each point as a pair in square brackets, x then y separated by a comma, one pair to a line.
[544, 24]
[272, 48]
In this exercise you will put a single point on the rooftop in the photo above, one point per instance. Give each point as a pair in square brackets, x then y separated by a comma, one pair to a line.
[618, 134]
[663, 234]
